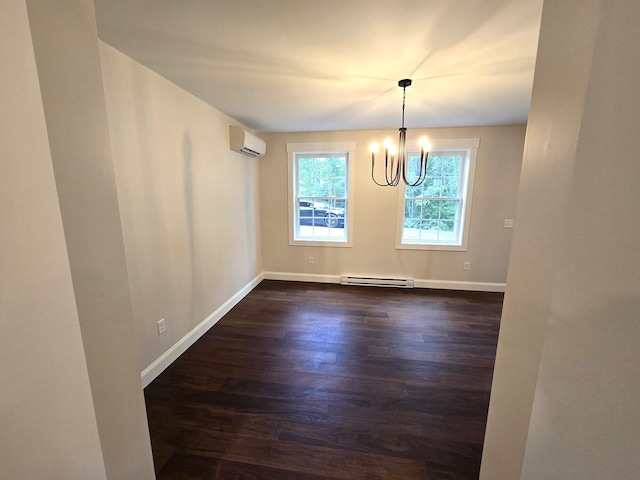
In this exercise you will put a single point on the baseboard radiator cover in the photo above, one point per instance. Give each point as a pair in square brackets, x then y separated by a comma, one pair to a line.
[376, 282]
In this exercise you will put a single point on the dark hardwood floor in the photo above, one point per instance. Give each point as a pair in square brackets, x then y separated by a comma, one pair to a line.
[315, 381]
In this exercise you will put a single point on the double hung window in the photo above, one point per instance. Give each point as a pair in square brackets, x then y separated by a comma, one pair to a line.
[435, 215]
[320, 176]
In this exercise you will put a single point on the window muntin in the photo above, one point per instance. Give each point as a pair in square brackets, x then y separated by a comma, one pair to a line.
[435, 215]
[319, 193]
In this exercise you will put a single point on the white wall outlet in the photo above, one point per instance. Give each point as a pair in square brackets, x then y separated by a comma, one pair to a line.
[508, 223]
[467, 265]
[161, 326]
[310, 259]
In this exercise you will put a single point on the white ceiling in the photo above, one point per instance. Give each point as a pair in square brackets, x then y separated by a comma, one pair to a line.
[304, 65]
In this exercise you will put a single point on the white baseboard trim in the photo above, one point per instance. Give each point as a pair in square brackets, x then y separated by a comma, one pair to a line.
[417, 283]
[168, 357]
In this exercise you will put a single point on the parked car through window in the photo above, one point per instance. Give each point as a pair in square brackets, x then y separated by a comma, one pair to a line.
[320, 214]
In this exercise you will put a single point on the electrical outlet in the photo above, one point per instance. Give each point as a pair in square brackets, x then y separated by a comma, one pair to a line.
[467, 265]
[508, 223]
[310, 259]
[161, 326]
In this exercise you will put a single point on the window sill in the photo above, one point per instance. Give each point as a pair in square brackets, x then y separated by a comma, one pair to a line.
[431, 246]
[321, 243]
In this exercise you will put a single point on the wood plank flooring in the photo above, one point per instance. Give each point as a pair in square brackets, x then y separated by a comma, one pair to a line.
[319, 381]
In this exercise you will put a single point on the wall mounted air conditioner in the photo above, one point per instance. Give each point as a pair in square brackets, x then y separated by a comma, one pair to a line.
[245, 142]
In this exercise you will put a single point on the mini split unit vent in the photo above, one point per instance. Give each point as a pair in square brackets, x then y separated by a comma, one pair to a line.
[245, 142]
[377, 282]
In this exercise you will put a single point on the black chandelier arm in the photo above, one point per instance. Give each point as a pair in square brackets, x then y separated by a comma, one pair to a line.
[396, 169]
[386, 174]
[388, 169]
[424, 157]
[393, 170]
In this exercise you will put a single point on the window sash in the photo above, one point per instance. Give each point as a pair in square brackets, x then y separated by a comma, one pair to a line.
[426, 235]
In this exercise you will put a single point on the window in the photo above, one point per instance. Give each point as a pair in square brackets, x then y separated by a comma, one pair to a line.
[435, 215]
[319, 184]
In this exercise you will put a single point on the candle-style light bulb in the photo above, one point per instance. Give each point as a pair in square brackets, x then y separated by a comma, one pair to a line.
[424, 144]
[374, 147]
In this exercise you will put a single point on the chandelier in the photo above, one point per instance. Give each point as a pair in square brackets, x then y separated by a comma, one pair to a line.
[395, 166]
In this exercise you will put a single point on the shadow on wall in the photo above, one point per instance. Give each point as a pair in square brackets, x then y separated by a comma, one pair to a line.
[187, 168]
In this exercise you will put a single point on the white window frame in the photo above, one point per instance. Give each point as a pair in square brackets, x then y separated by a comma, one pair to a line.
[470, 147]
[347, 148]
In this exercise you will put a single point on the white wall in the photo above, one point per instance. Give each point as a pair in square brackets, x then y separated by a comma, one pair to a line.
[48, 424]
[66, 50]
[376, 209]
[564, 401]
[189, 205]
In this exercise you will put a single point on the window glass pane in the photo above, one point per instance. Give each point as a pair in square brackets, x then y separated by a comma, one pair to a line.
[414, 191]
[305, 176]
[338, 177]
[432, 187]
[450, 175]
[434, 165]
[430, 209]
[446, 231]
[448, 209]
[320, 184]
[449, 187]
[411, 210]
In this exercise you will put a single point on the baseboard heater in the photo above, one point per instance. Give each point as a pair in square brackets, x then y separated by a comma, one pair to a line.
[377, 282]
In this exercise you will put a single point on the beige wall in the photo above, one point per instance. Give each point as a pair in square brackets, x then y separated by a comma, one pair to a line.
[564, 401]
[376, 208]
[48, 425]
[189, 205]
[67, 57]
